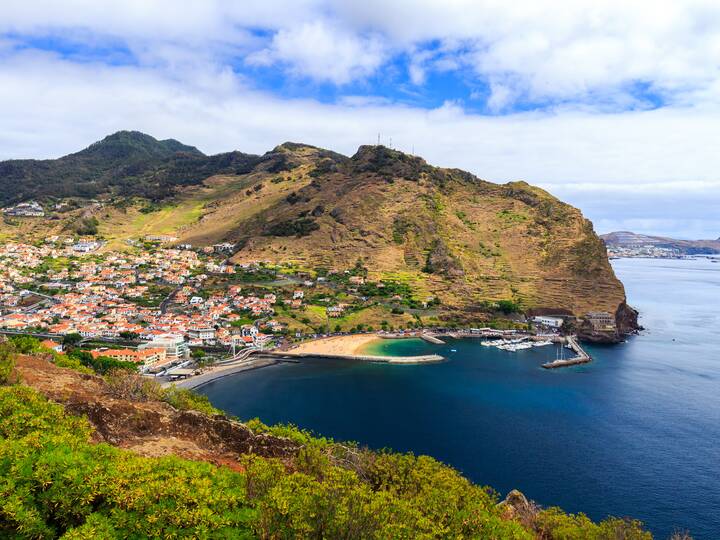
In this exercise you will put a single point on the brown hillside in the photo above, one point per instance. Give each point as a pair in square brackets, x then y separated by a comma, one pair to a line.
[149, 427]
[445, 231]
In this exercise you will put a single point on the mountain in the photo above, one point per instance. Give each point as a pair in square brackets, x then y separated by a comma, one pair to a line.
[127, 163]
[626, 239]
[444, 233]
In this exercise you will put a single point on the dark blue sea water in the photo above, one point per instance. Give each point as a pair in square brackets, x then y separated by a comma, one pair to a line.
[635, 433]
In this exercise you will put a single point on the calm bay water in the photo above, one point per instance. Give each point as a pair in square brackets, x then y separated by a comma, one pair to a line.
[635, 433]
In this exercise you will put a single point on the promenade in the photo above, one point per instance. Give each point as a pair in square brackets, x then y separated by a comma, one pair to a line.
[219, 372]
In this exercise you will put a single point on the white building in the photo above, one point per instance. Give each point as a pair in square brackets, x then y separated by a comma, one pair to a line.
[203, 334]
[552, 322]
[174, 345]
[86, 247]
[26, 209]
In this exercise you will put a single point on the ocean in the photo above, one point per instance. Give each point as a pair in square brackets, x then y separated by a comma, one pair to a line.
[634, 433]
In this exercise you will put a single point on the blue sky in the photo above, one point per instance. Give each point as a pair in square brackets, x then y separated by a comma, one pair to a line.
[613, 106]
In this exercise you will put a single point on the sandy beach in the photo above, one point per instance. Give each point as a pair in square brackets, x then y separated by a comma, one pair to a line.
[341, 345]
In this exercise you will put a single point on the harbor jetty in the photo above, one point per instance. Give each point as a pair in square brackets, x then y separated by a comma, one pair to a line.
[432, 339]
[581, 357]
[425, 336]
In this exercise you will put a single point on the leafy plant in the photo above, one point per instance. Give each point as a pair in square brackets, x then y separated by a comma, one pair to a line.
[7, 362]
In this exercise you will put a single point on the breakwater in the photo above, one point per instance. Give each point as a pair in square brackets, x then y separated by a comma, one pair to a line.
[581, 356]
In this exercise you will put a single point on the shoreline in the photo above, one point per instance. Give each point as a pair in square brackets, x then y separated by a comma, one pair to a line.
[344, 345]
[196, 381]
[353, 347]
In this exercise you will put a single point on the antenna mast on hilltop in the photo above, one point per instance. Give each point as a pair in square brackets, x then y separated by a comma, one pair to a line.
[378, 139]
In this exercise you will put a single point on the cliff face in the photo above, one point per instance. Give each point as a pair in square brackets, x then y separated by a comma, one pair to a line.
[626, 320]
[446, 232]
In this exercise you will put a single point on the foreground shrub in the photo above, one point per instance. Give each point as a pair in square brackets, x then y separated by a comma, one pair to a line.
[128, 385]
[71, 362]
[557, 525]
[187, 400]
[7, 362]
[54, 483]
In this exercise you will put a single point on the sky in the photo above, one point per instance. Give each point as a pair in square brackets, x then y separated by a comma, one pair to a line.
[613, 106]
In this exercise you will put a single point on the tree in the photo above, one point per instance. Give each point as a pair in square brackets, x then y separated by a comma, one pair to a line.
[71, 340]
[508, 306]
[25, 344]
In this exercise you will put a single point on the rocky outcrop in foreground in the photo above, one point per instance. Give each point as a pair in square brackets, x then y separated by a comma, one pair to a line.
[148, 427]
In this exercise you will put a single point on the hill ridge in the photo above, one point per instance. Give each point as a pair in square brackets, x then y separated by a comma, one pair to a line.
[453, 237]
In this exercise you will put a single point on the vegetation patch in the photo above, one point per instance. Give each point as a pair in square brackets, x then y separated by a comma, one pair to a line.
[298, 227]
[508, 217]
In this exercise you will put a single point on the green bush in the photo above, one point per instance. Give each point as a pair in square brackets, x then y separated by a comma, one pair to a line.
[289, 431]
[55, 484]
[508, 306]
[26, 344]
[554, 523]
[7, 362]
[100, 364]
[71, 362]
[185, 400]
[87, 226]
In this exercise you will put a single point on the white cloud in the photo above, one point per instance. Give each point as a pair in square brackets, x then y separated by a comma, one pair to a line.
[583, 57]
[548, 50]
[322, 52]
[584, 157]
[500, 96]
[563, 49]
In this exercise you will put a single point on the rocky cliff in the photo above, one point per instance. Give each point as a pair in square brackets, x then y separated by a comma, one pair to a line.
[451, 235]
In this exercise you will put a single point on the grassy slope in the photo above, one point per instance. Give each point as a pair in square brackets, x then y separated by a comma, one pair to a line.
[511, 241]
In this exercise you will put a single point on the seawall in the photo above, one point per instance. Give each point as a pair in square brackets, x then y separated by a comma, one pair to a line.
[205, 378]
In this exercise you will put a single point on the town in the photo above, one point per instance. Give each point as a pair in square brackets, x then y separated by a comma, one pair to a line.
[151, 297]
[163, 307]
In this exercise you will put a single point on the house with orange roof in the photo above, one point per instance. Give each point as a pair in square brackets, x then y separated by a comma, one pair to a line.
[52, 345]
